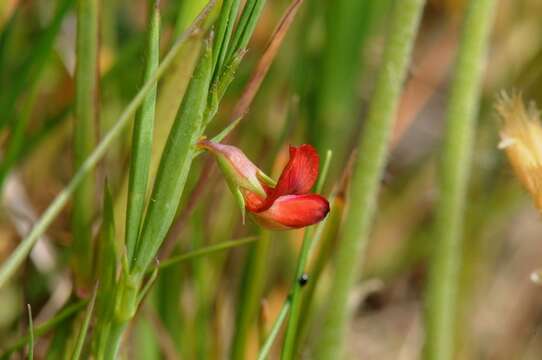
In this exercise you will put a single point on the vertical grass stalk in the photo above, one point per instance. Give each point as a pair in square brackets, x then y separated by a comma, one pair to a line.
[86, 82]
[455, 162]
[368, 171]
[252, 286]
[31, 332]
[288, 348]
[142, 139]
[174, 164]
[82, 335]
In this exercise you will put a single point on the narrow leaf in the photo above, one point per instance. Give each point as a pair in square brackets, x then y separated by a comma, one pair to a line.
[84, 135]
[31, 332]
[174, 165]
[84, 326]
[142, 140]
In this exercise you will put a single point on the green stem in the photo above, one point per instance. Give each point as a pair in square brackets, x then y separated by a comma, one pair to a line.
[264, 351]
[9, 266]
[294, 300]
[175, 164]
[455, 162]
[31, 331]
[288, 347]
[113, 345]
[45, 327]
[373, 150]
[81, 337]
[250, 294]
[291, 329]
[84, 132]
[142, 140]
[208, 250]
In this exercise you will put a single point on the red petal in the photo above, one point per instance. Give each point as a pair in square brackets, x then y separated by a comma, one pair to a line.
[298, 176]
[301, 172]
[293, 211]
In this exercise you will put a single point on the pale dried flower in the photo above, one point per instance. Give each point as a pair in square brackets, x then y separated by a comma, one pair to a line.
[521, 139]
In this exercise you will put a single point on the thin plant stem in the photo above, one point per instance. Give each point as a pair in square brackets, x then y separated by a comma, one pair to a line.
[288, 347]
[142, 140]
[288, 302]
[368, 171]
[81, 337]
[31, 332]
[84, 135]
[47, 326]
[208, 250]
[9, 267]
[250, 294]
[264, 351]
[455, 162]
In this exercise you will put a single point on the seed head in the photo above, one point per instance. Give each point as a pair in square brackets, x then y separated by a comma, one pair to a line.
[521, 139]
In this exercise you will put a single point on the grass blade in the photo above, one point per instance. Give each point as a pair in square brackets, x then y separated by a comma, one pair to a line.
[31, 332]
[251, 290]
[247, 23]
[108, 257]
[174, 165]
[443, 285]
[368, 170]
[264, 351]
[228, 14]
[208, 250]
[142, 140]
[84, 327]
[47, 326]
[84, 135]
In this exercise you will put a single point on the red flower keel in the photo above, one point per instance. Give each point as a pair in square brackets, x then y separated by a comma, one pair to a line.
[293, 212]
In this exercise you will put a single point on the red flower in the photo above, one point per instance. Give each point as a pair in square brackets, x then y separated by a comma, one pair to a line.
[288, 204]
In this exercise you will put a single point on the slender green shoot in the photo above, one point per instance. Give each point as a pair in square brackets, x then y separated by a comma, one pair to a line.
[81, 337]
[264, 351]
[31, 332]
[44, 328]
[247, 23]
[175, 164]
[252, 286]
[455, 162]
[288, 347]
[142, 139]
[84, 135]
[208, 250]
[323, 172]
[368, 171]
[287, 303]
[228, 14]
